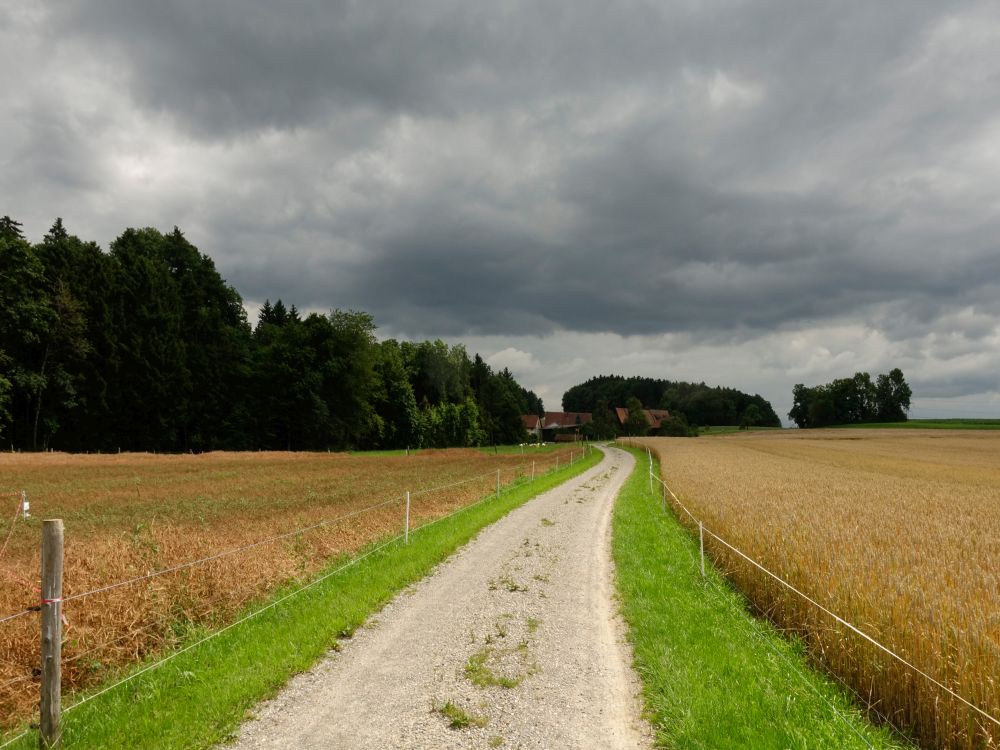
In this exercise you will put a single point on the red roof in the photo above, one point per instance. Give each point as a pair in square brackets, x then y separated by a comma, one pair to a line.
[530, 421]
[654, 417]
[560, 420]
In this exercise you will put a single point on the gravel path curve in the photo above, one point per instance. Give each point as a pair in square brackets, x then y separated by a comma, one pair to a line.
[516, 634]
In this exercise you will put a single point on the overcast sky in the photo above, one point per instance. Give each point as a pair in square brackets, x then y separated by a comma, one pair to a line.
[752, 194]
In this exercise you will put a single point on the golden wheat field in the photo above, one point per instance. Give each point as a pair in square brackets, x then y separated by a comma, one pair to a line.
[129, 515]
[898, 532]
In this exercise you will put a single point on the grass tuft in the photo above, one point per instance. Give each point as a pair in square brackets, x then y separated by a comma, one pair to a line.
[479, 673]
[459, 718]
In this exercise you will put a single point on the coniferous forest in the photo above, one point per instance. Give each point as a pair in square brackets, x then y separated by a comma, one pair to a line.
[147, 348]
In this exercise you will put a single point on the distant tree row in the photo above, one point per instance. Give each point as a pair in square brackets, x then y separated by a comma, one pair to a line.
[689, 403]
[852, 400]
[146, 347]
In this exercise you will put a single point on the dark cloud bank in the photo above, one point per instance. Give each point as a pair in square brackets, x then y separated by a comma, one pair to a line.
[810, 187]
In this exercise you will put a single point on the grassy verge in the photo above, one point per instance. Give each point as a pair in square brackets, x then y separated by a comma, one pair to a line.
[713, 675]
[729, 429]
[527, 449]
[200, 697]
[927, 424]
[531, 449]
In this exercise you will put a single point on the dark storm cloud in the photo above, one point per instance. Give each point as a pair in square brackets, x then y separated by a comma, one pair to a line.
[233, 67]
[729, 171]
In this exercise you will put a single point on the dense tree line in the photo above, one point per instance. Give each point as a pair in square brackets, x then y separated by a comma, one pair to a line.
[146, 347]
[694, 403]
[852, 400]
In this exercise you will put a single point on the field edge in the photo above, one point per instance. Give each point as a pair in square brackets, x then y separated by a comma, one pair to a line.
[199, 698]
[713, 675]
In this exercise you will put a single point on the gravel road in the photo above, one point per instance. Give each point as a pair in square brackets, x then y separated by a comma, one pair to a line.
[516, 634]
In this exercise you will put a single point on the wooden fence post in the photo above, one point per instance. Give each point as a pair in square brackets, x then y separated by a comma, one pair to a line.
[406, 531]
[51, 611]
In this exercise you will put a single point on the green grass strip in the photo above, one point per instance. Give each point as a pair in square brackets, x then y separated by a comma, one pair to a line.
[713, 675]
[201, 696]
[528, 449]
[926, 424]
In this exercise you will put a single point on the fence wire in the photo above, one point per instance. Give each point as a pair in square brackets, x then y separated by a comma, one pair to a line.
[805, 597]
[516, 469]
[268, 540]
[271, 605]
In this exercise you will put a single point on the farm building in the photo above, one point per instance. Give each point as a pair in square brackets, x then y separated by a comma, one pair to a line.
[557, 426]
[533, 426]
[654, 417]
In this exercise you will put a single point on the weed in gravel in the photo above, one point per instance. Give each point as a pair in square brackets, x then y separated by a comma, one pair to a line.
[478, 672]
[508, 582]
[459, 718]
[533, 623]
[548, 522]
[495, 741]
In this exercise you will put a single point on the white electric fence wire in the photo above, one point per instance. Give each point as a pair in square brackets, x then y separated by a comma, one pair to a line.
[236, 550]
[13, 523]
[10, 533]
[456, 512]
[262, 542]
[159, 622]
[14, 616]
[229, 552]
[869, 706]
[254, 614]
[477, 478]
[16, 680]
[271, 605]
[12, 740]
[806, 681]
[857, 630]
[837, 617]
[230, 626]
[748, 628]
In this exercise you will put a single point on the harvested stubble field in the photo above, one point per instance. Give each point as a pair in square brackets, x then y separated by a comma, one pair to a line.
[133, 514]
[897, 532]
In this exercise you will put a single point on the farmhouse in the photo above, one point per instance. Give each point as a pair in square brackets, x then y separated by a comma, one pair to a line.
[557, 426]
[654, 417]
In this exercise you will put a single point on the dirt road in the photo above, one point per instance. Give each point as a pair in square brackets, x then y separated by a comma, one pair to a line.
[511, 643]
